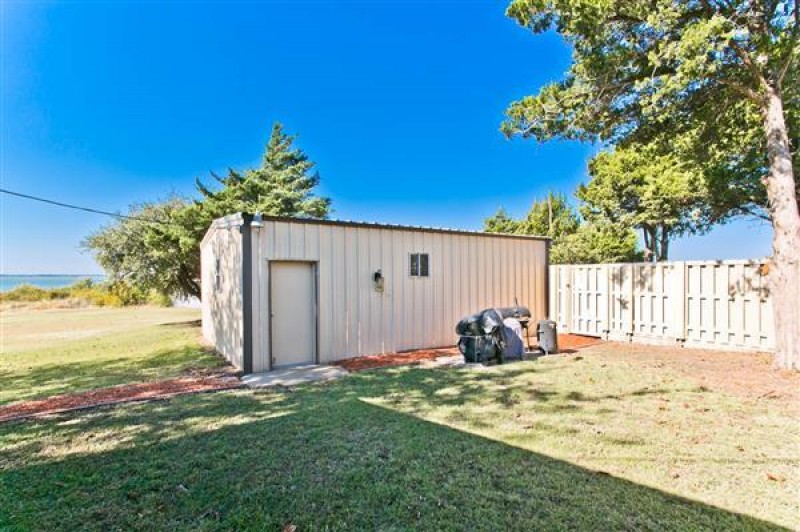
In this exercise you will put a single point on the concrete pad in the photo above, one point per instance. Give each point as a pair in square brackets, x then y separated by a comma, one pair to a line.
[294, 375]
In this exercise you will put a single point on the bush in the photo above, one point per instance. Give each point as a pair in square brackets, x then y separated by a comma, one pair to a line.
[159, 299]
[85, 291]
[27, 292]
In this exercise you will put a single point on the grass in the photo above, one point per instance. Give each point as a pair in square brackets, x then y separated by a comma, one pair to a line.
[597, 443]
[49, 352]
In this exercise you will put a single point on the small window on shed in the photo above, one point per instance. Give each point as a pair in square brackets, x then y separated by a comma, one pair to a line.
[217, 276]
[419, 265]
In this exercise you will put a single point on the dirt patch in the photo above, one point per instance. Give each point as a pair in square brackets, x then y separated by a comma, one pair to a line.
[744, 374]
[567, 343]
[117, 394]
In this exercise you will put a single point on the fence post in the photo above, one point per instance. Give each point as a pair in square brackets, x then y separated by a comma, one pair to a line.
[632, 307]
[678, 297]
[568, 298]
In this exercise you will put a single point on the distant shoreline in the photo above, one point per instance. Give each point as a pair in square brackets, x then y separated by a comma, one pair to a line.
[10, 281]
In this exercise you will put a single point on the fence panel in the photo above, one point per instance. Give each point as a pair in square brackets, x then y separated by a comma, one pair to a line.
[589, 299]
[719, 304]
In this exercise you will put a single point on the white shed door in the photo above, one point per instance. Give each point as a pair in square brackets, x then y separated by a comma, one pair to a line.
[293, 313]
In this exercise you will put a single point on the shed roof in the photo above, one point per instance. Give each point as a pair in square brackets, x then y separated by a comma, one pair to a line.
[245, 218]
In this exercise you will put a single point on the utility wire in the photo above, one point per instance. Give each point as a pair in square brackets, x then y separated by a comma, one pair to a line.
[79, 208]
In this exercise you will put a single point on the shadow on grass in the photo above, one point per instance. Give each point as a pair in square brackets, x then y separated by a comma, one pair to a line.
[318, 457]
[55, 379]
[189, 324]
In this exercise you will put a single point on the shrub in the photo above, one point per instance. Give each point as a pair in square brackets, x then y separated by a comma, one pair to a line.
[87, 292]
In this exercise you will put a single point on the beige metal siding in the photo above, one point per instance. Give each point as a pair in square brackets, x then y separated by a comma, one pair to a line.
[720, 304]
[467, 273]
[222, 307]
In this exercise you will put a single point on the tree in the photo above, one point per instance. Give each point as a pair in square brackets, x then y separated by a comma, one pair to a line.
[597, 242]
[283, 185]
[501, 222]
[554, 217]
[638, 187]
[643, 65]
[154, 249]
[161, 248]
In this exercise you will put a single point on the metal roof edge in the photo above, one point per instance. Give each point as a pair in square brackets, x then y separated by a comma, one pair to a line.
[396, 227]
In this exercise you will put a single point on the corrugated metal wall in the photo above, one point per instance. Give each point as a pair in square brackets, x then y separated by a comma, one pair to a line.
[222, 305]
[467, 273]
[722, 304]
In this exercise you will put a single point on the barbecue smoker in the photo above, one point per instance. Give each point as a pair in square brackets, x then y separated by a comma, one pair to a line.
[493, 334]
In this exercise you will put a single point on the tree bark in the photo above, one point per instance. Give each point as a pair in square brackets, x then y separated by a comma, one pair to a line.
[784, 274]
[664, 253]
[650, 243]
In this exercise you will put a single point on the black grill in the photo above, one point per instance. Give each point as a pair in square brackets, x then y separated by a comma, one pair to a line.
[481, 334]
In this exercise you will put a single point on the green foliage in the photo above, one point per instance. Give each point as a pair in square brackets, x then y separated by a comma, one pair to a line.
[688, 76]
[597, 242]
[639, 187]
[86, 292]
[554, 217]
[147, 255]
[165, 257]
[501, 222]
[283, 185]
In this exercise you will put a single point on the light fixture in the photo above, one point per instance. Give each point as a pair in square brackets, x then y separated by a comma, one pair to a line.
[377, 280]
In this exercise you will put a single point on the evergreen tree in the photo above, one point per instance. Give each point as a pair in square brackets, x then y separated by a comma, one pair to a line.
[571, 241]
[283, 185]
[501, 222]
[165, 256]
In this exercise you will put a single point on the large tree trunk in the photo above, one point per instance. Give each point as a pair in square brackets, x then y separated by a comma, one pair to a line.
[664, 252]
[784, 274]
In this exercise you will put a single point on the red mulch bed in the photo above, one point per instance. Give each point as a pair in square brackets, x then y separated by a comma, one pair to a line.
[567, 343]
[117, 394]
[394, 359]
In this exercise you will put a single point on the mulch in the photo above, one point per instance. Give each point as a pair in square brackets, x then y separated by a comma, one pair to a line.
[570, 343]
[567, 343]
[394, 359]
[117, 394]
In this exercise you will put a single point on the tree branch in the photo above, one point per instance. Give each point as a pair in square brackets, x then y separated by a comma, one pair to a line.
[788, 58]
[744, 90]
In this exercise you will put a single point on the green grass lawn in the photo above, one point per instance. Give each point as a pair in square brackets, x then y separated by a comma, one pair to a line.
[598, 443]
[48, 352]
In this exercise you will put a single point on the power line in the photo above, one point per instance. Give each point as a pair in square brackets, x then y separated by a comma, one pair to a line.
[79, 208]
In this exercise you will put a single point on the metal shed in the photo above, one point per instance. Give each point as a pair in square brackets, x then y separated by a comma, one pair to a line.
[283, 291]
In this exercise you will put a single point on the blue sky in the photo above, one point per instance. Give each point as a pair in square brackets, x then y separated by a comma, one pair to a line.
[106, 104]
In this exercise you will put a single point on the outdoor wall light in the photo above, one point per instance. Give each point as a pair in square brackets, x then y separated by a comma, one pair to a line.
[258, 220]
[377, 280]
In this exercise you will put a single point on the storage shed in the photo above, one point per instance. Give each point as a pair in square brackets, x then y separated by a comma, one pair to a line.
[283, 291]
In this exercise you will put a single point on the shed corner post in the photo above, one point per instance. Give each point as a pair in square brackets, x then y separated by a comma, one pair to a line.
[247, 293]
[549, 311]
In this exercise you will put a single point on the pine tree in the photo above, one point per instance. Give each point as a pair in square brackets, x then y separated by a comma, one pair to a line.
[283, 185]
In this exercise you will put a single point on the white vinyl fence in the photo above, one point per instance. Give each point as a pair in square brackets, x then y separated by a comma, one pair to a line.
[717, 304]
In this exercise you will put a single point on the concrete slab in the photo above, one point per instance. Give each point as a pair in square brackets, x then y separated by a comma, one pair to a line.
[294, 375]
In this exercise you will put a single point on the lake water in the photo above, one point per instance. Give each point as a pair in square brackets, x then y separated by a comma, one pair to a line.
[7, 282]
